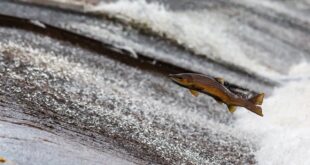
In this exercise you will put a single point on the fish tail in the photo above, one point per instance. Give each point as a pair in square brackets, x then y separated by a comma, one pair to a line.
[255, 109]
[257, 99]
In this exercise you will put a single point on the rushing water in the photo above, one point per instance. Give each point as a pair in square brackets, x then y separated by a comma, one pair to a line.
[234, 33]
[267, 40]
[283, 134]
[231, 33]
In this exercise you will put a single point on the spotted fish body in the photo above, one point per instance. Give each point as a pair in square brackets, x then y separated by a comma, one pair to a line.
[215, 88]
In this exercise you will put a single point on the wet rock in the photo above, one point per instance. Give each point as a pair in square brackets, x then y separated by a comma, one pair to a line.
[23, 144]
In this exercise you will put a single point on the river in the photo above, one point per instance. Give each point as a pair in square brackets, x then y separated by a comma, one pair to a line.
[261, 46]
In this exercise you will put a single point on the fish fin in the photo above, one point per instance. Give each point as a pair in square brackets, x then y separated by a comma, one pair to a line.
[232, 108]
[258, 110]
[220, 80]
[257, 99]
[194, 93]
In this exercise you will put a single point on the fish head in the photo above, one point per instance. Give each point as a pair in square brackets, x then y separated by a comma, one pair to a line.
[183, 79]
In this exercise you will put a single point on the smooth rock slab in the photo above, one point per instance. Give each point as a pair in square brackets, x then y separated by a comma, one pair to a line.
[17, 141]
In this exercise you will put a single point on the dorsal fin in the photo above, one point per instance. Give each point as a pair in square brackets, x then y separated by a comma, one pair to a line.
[232, 108]
[220, 80]
[257, 99]
[194, 93]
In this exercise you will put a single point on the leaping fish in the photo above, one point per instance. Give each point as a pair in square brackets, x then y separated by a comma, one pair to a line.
[215, 88]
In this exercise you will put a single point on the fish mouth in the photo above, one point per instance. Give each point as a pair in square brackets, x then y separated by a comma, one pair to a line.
[175, 78]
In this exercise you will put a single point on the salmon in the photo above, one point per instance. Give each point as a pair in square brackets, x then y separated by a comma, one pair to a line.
[214, 87]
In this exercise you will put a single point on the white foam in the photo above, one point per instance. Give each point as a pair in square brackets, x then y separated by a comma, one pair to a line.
[194, 29]
[283, 133]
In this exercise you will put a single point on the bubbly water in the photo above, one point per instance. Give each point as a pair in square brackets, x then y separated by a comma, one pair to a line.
[283, 134]
[222, 31]
[195, 30]
[226, 34]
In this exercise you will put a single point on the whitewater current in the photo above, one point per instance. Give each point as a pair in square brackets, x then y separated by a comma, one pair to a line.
[283, 134]
[235, 35]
